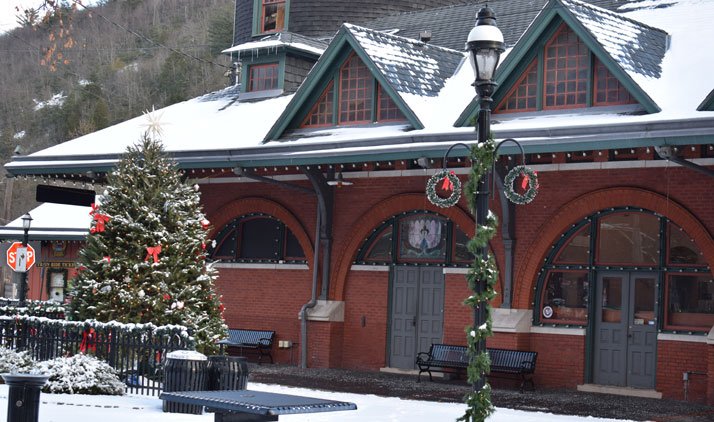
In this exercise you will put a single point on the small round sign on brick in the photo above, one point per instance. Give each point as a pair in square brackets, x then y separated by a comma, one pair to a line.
[19, 258]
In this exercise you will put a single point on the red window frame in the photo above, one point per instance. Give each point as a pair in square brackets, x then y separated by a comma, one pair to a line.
[524, 89]
[387, 107]
[565, 82]
[259, 77]
[585, 228]
[667, 325]
[606, 85]
[321, 113]
[356, 92]
[599, 238]
[279, 26]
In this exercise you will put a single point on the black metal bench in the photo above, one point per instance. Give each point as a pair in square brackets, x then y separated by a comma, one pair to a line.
[253, 406]
[254, 340]
[503, 361]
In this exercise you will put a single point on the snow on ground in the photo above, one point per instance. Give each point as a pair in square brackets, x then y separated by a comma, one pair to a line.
[370, 408]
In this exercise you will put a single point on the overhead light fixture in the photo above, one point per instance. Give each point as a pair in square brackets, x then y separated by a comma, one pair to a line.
[339, 181]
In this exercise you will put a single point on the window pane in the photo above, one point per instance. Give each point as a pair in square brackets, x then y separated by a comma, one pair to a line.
[682, 249]
[577, 250]
[226, 248]
[608, 90]
[273, 15]
[629, 239]
[690, 301]
[461, 252]
[566, 62]
[321, 113]
[524, 94]
[423, 237]
[355, 92]
[293, 250]
[381, 249]
[612, 299]
[644, 300]
[260, 239]
[566, 296]
[263, 77]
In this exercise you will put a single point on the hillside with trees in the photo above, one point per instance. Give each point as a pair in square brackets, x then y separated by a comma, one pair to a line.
[124, 57]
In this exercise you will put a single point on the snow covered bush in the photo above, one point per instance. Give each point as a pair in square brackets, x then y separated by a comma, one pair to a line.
[12, 361]
[80, 374]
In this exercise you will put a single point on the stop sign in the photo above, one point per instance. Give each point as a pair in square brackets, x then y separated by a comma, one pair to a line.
[19, 259]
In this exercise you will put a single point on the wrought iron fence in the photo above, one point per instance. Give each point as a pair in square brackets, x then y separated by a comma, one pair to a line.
[136, 351]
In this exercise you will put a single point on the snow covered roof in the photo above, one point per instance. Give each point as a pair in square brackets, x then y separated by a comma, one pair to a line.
[273, 42]
[52, 222]
[636, 47]
[218, 131]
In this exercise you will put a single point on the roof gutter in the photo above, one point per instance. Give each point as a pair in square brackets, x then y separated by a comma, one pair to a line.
[414, 145]
[668, 153]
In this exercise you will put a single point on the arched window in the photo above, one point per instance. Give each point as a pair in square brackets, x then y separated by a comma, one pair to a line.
[630, 240]
[416, 237]
[257, 238]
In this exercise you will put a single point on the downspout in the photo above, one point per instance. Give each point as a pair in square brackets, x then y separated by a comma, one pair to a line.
[313, 299]
[668, 153]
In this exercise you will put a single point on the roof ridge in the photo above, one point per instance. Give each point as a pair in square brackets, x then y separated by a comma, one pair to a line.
[350, 26]
[610, 13]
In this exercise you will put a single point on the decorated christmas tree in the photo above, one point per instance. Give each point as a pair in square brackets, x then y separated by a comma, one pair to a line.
[144, 260]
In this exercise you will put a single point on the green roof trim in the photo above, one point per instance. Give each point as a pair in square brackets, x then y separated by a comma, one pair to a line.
[320, 75]
[708, 103]
[527, 47]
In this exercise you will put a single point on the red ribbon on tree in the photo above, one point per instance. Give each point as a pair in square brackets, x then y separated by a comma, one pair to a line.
[95, 208]
[88, 341]
[102, 219]
[448, 184]
[153, 251]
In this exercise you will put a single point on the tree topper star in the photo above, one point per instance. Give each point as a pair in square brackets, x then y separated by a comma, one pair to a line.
[154, 122]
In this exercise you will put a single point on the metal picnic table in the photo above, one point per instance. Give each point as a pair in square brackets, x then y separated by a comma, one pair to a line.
[254, 406]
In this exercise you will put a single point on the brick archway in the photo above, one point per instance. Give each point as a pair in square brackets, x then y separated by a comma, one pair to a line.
[585, 205]
[234, 209]
[374, 217]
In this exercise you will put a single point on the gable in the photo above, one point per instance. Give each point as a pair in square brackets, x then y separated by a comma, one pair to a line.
[615, 49]
[708, 103]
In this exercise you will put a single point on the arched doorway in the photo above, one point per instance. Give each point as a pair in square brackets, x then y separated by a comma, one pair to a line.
[625, 274]
[416, 246]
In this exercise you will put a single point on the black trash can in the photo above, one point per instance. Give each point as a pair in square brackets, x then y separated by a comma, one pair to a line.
[23, 401]
[185, 371]
[227, 373]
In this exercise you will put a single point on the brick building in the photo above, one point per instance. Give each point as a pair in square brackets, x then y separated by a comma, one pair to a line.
[315, 175]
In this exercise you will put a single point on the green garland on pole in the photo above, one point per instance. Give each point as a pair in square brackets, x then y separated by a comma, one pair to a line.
[455, 192]
[479, 405]
[533, 186]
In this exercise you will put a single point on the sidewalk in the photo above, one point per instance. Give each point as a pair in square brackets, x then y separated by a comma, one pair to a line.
[564, 402]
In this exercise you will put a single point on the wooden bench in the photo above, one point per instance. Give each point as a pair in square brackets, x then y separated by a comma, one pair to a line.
[503, 361]
[254, 340]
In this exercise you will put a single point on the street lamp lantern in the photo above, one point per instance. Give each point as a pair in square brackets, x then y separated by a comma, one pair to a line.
[485, 45]
[26, 222]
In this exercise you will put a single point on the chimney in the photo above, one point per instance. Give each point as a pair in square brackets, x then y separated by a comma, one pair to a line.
[425, 36]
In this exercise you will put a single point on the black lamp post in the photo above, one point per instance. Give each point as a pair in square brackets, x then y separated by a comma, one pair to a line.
[485, 45]
[26, 222]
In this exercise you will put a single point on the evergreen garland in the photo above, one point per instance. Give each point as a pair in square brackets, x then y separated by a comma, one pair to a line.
[479, 405]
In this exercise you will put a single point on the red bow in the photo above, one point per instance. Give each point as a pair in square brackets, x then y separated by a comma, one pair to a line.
[101, 220]
[526, 179]
[88, 337]
[155, 251]
[448, 184]
[95, 208]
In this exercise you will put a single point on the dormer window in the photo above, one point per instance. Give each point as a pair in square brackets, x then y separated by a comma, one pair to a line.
[263, 77]
[570, 76]
[359, 97]
[272, 15]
